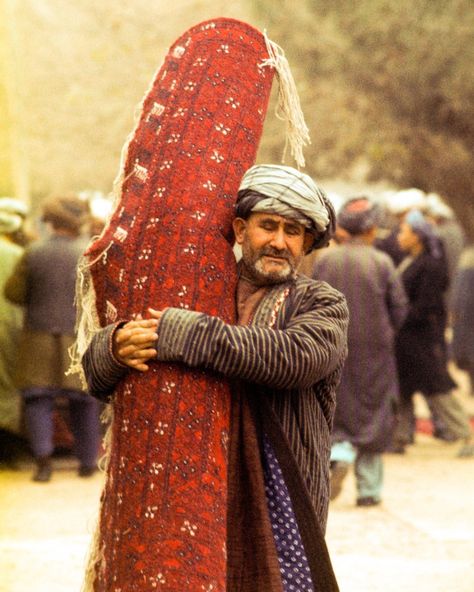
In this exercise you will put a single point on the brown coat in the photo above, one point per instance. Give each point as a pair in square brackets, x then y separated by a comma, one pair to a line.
[43, 360]
[43, 282]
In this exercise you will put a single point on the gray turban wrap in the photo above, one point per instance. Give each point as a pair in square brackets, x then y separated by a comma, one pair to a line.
[290, 193]
[358, 215]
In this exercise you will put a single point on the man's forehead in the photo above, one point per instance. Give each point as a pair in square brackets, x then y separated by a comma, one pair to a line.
[261, 216]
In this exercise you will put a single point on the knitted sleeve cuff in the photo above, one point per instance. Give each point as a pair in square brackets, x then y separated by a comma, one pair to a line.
[101, 368]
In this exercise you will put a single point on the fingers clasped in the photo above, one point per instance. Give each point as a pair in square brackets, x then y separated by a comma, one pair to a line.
[134, 344]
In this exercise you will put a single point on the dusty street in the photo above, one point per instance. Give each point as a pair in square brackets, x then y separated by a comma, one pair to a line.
[421, 539]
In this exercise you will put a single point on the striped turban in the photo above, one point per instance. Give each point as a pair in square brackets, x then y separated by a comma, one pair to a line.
[285, 191]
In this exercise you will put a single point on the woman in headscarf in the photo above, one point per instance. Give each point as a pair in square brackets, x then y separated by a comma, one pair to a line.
[420, 345]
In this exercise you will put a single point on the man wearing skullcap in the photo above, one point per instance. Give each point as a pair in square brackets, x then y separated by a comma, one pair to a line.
[284, 358]
[43, 282]
[368, 391]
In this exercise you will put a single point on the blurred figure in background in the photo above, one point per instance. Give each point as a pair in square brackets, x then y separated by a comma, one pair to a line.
[43, 281]
[368, 394]
[100, 208]
[451, 234]
[420, 346]
[398, 204]
[462, 309]
[309, 259]
[11, 319]
[24, 234]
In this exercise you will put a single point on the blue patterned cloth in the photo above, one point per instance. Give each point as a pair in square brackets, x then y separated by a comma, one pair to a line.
[294, 567]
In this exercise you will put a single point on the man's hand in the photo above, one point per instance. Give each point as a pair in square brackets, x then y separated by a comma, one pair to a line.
[134, 343]
[156, 314]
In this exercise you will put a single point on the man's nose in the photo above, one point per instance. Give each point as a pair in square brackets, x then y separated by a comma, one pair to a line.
[278, 239]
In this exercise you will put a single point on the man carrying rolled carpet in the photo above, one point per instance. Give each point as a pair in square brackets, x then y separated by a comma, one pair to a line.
[284, 359]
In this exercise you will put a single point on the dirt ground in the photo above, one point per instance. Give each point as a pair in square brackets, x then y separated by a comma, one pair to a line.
[421, 539]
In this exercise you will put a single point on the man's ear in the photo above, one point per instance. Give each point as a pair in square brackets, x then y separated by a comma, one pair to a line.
[239, 225]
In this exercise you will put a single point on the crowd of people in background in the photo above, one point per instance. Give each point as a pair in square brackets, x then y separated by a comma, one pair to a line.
[406, 270]
[401, 259]
[426, 243]
[368, 391]
[38, 276]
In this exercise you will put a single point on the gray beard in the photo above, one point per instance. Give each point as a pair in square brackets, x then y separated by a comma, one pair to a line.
[254, 272]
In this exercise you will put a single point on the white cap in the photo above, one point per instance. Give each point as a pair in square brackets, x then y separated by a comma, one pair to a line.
[9, 223]
[101, 207]
[336, 200]
[407, 199]
[13, 206]
[437, 207]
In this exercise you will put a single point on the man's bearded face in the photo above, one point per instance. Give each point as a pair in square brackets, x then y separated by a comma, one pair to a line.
[272, 247]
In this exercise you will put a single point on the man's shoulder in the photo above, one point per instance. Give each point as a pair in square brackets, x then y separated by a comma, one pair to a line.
[57, 246]
[356, 254]
[382, 257]
[317, 289]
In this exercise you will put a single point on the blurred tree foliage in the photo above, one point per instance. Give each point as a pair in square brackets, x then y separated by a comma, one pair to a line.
[387, 88]
[386, 85]
[82, 67]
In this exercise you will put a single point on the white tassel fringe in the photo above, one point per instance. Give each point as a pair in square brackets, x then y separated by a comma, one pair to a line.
[288, 107]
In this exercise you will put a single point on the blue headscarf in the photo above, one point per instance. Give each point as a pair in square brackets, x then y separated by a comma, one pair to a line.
[425, 230]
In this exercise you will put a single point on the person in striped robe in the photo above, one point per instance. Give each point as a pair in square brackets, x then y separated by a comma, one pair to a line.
[284, 358]
[368, 394]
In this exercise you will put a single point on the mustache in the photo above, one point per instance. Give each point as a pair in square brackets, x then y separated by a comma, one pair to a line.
[272, 252]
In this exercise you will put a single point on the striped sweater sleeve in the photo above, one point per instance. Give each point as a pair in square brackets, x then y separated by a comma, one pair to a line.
[307, 350]
[101, 369]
